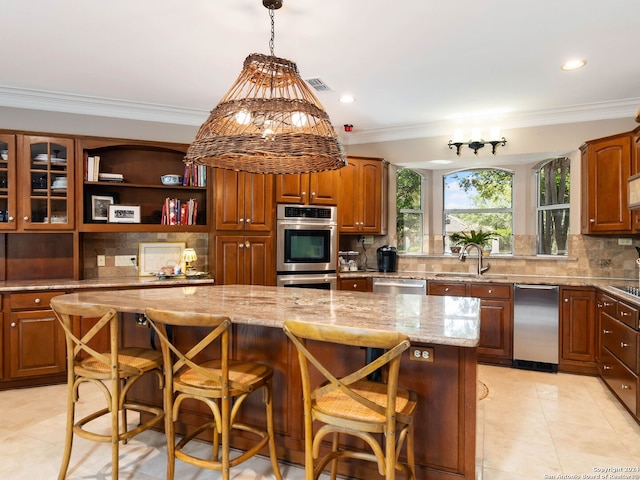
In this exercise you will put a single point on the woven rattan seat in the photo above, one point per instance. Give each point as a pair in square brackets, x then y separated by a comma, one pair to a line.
[113, 372]
[350, 404]
[221, 384]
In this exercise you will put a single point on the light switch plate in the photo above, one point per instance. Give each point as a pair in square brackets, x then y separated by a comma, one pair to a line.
[101, 260]
[625, 241]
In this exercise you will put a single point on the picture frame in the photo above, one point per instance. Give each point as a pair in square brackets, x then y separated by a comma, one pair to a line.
[124, 214]
[152, 256]
[100, 207]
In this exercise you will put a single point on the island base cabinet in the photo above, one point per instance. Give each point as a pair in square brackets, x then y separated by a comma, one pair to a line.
[622, 381]
[445, 422]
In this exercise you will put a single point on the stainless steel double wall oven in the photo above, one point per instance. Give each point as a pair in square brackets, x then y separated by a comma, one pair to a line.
[307, 244]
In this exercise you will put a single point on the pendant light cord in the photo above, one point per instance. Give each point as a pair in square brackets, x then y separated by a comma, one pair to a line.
[273, 30]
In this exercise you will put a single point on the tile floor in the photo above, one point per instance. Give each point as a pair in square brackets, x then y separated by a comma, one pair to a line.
[531, 425]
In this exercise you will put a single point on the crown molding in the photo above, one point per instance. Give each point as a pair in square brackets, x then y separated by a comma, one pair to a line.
[107, 107]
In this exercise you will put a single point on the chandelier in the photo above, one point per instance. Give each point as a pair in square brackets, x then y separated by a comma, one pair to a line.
[268, 122]
[476, 142]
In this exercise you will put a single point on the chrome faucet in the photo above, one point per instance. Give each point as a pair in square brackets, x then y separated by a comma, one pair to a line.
[463, 254]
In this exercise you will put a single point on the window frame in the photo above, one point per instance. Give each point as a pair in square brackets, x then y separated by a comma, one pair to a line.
[544, 208]
[421, 212]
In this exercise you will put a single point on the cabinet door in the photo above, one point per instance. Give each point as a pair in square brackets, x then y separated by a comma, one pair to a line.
[244, 260]
[323, 187]
[348, 199]
[578, 326]
[258, 202]
[46, 183]
[496, 330]
[8, 184]
[606, 166]
[291, 188]
[370, 196]
[355, 284]
[229, 259]
[635, 169]
[36, 344]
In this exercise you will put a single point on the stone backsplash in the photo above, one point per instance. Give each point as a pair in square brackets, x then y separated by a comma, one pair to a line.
[589, 256]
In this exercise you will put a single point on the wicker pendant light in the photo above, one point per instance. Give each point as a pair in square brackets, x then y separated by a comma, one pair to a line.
[268, 122]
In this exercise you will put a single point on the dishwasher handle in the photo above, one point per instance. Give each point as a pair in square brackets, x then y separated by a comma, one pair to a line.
[535, 287]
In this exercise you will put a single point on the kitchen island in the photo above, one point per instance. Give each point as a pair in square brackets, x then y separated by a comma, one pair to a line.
[440, 366]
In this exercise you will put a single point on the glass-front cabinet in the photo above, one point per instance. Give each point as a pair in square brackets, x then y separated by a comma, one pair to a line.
[46, 186]
[7, 182]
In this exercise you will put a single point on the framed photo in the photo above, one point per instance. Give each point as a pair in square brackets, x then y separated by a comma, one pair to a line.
[153, 256]
[100, 207]
[124, 213]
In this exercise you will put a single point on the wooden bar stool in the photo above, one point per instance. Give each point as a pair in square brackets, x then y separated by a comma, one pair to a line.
[222, 385]
[113, 372]
[352, 405]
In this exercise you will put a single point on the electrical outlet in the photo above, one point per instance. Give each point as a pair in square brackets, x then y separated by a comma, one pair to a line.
[367, 240]
[125, 260]
[421, 354]
[101, 260]
[625, 241]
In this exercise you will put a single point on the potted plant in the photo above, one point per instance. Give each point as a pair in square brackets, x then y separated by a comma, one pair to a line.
[479, 237]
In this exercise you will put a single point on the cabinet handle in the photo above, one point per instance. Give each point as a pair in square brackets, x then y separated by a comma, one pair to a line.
[606, 332]
[304, 193]
[13, 324]
[592, 220]
[241, 245]
[624, 345]
[446, 289]
[26, 218]
[248, 220]
[247, 244]
[599, 305]
[607, 304]
[625, 387]
[241, 220]
[10, 218]
[566, 300]
[37, 301]
[624, 314]
[490, 291]
[355, 285]
[606, 367]
[313, 194]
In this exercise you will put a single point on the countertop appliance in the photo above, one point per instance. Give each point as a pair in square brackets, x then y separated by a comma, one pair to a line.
[399, 285]
[387, 258]
[536, 327]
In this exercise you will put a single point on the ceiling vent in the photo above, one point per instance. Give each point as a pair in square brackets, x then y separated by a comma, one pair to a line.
[318, 84]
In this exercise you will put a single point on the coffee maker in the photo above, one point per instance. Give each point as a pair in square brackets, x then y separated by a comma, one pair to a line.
[387, 258]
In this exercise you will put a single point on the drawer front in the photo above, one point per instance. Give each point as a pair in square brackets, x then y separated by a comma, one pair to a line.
[609, 306]
[21, 301]
[621, 380]
[444, 288]
[490, 290]
[621, 340]
[354, 284]
[628, 315]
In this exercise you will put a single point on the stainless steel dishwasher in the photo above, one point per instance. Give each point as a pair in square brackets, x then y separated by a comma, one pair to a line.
[535, 327]
[399, 285]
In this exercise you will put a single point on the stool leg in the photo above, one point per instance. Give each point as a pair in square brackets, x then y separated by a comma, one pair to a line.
[68, 437]
[268, 400]
[335, 445]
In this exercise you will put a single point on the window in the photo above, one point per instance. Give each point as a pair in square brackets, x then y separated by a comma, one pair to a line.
[409, 202]
[480, 199]
[554, 181]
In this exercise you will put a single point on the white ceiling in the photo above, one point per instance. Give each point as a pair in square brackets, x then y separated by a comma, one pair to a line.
[416, 67]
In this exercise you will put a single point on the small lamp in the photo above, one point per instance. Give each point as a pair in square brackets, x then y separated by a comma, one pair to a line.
[188, 257]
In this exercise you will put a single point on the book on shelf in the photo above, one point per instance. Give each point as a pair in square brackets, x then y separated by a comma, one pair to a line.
[194, 176]
[92, 167]
[177, 212]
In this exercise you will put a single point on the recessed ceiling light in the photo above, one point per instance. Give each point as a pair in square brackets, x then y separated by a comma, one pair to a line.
[347, 98]
[574, 64]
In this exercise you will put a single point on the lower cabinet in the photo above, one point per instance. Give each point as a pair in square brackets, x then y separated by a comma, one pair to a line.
[355, 284]
[496, 316]
[578, 330]
[35, 340]
[245, 260]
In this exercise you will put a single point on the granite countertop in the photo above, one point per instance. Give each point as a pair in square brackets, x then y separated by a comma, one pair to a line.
[96, 283]
[425, 319]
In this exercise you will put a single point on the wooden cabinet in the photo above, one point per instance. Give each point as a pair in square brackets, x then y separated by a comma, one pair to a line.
[36, 344]
[606, 166]
[355, 284]
[618, 348]
[140, 165]
[45, 184]
[635, 169]
[8, 179]
[578, 330]
[247, 260]
[308, 188]
[244, 201]
[496, 316]
[362, 197]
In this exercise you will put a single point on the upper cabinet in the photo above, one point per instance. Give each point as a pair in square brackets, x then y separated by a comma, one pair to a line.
[362, 197]
[606, 166]
[635, 169]
[244, 201]
[128, 174]
[45, 187]
[308, 188]
[8, 206]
